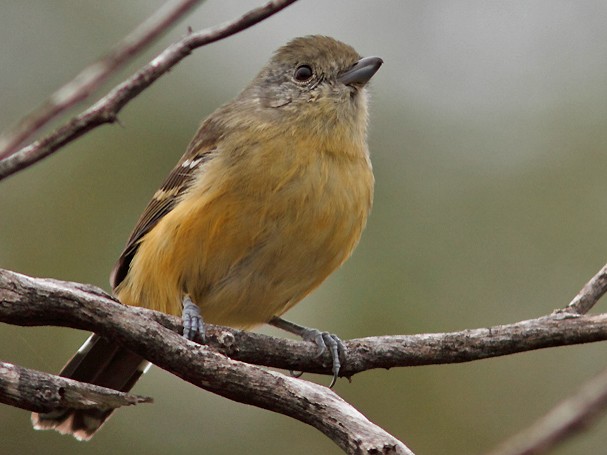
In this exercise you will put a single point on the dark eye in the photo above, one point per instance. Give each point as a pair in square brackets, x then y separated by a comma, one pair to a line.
[303, 73]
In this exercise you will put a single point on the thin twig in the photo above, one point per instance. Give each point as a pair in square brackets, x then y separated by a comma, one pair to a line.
[107, 109]
[590, 294]
[570, 417]
[89, 79]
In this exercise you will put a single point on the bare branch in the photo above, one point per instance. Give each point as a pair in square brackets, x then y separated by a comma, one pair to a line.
[590, 294]
[567, 419]
[95, 74]
[107, 109]
[89, 308]
[43, 392]
[35, 301]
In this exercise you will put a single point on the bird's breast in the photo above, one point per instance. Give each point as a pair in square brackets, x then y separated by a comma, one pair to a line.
[254, 235]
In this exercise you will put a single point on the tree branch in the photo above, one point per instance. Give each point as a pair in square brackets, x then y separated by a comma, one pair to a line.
[95, 74]
[568, 418]
[42, 392]
[107, 108]
[30, 301]
[34, 301]
[590, 294]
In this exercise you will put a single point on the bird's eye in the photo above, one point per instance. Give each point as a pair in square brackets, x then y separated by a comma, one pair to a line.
[303, 73]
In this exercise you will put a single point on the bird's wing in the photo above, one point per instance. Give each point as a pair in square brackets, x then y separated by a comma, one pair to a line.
[199, 151]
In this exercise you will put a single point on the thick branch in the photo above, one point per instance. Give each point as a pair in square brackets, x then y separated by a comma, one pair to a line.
[43, 392]
[35, 301]
[25, 300]
[107, 109]
[95, 74]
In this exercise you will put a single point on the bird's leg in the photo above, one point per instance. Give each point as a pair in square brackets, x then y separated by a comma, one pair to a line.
[193, 324]
[323, 340]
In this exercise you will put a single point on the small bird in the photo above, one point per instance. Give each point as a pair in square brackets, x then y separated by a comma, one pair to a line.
[270, 197]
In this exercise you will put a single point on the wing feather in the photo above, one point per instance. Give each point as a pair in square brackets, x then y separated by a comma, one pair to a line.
[164, 200]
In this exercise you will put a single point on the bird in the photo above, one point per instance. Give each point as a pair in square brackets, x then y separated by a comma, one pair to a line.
[271, 196]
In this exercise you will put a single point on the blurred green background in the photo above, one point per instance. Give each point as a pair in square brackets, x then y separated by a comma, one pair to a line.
[488, 135]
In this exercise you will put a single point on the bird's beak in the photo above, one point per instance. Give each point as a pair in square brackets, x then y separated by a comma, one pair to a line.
[361, 72]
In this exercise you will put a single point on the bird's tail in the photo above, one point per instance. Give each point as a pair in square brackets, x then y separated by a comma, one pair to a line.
[101, 362]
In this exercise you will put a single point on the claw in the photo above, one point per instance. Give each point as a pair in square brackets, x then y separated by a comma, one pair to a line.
[193, 324]
[324, 341]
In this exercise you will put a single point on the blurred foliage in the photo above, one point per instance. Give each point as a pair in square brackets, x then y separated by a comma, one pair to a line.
[488, 134]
